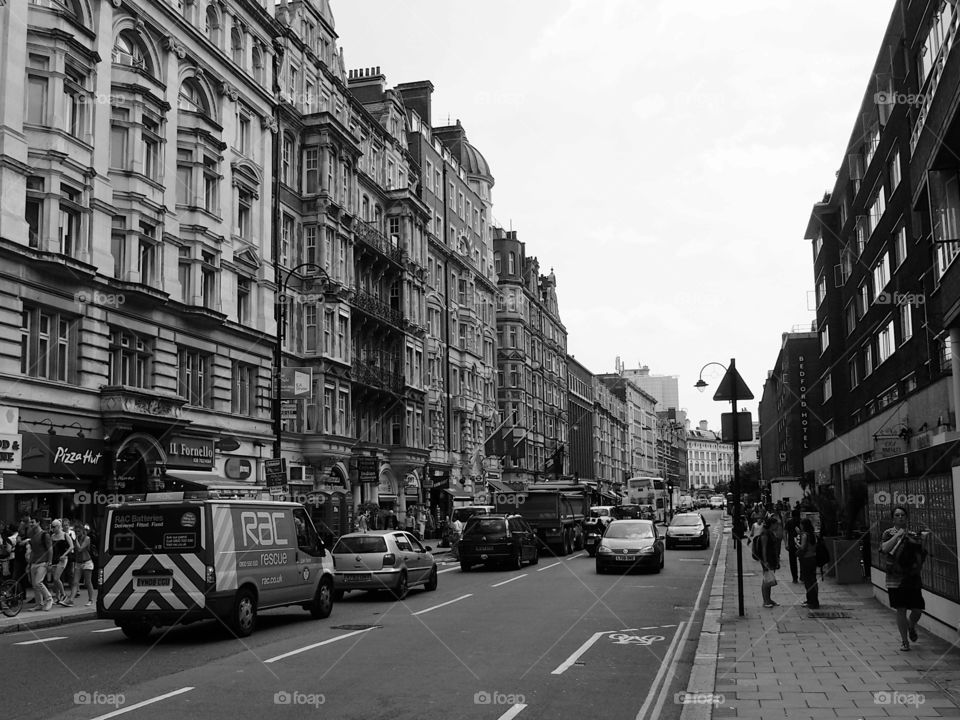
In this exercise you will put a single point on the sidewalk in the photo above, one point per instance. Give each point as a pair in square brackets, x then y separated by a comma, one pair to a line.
[841, 661]
[28, 619]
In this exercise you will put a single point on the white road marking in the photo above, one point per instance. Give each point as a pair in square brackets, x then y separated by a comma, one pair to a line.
[510, 580]
[316, 645]
[448, 602]
[41, 640]
[568, 663]
[113, 629]
[699, 559]
[668, 659]
[512, 712]
[440, 572]
[574, 557]
[139, 705]
[549, 566]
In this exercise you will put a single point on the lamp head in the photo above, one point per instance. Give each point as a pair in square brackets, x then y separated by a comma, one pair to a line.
[701, 385]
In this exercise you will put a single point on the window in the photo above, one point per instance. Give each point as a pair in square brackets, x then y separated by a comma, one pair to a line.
[821, 290]
[243, 300]
[208, 281]
[195, 377]
[75, 101]
[877, 209]
[343, 402]
[864, 298]
[258, 67]
[185, 275]
[827, 387]
[243, 133]
[48, 345]
[328, 333]
[150, 137]
[881, 276]
[310, 244]
[192, 98]
[129, 359]
[901, 246]
[945, 212]
[119, 137]
[211, 184]
[312, 169]
[212, 26]
[906, 322]
[328, 394]
[148, 256]
[285, 159]
[853, 372]
[236, 47]
[38, 86]
[127, 51]
[118, 246]
[511, 264]
[34, 209]
[824, 337]
[70, 220]
[893, 172]
[245, 214]
[244, 400]
[286, 238]
[850, 315]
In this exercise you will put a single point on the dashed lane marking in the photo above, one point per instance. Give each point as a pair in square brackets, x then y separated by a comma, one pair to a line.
[512, 712]
[113, 629]
[549, 566]
[316, 645]
[151, 701]
[448, 602]
[42, 640]
[509, 581]
[440, 572]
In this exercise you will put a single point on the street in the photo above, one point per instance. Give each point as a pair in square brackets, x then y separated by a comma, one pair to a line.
[547, 641]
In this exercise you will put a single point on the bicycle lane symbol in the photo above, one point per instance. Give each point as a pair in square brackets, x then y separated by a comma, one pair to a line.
[619, 637]
[622, 638]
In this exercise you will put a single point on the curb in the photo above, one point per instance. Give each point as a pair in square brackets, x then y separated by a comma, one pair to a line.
[703, 674]
[46, 622]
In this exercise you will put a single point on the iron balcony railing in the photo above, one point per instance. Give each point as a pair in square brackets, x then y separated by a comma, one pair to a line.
[370, 236]
[373, 375]
[373, 305]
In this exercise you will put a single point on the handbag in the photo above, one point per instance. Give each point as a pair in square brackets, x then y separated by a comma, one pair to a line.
[769, 577]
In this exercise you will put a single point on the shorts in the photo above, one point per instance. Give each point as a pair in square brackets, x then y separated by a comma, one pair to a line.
[909, 595]
[88, 565]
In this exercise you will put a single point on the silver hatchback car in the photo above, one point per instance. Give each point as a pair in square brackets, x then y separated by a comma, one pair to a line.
[391, 560]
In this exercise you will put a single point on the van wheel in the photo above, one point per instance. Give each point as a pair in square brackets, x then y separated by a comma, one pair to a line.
[432, 580]
[401, 590]
[136, 631]
[244, 616]
[322, 604]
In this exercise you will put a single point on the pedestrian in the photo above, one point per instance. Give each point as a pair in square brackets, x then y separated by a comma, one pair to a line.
[903, 553]
[362, 524]
[409, 521]
[756, 527]
[71, 556]
[792, 533]
[83, 566]
[769, 553]
[456, 529]
[62, 547]
[39, 553]
[21, 568]
[807, 555]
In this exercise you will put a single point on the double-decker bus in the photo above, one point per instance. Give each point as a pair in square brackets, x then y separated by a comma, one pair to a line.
[648, 491]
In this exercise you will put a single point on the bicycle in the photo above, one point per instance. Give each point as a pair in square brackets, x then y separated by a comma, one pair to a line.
[12, 595]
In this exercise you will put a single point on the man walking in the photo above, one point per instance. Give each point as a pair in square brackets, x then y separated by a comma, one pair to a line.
[41, 552]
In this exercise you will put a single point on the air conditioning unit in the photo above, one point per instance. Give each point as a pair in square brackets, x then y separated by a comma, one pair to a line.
[302, 473]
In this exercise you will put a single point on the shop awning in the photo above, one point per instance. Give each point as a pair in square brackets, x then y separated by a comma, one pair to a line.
[212, 481]
[14, 484]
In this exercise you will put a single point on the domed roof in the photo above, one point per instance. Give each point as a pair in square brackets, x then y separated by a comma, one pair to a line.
[474, 163]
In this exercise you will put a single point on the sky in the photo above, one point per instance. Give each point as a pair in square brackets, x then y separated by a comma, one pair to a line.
[661, 156]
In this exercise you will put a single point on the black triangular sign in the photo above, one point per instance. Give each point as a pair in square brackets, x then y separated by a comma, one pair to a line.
[732, 387]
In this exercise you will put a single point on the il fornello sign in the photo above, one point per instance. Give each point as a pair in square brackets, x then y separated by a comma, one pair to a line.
[188, 452]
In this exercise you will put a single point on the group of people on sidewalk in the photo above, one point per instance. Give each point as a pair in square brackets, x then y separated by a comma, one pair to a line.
[901, 552]
[52, 557]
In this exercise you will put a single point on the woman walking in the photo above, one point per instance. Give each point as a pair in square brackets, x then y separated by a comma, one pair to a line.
[62, 546]
[82, 566]
[903, 553]
[807, 555]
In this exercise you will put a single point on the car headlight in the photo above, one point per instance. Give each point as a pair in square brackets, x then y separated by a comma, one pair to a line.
[604, 550]
[648, 550]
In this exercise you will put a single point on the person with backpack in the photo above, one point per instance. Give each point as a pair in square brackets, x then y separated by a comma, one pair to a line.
[903, 555]
[807, 556]
[767, 551]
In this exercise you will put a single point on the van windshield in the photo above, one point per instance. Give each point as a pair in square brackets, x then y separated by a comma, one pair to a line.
[176, 529]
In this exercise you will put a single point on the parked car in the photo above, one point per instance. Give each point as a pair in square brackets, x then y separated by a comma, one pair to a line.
[717, 502]
[503, 539]
[630, 544]
[390, 560]
[688, 528]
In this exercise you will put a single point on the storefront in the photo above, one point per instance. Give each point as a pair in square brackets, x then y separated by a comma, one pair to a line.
[71, 470]
[20, 495]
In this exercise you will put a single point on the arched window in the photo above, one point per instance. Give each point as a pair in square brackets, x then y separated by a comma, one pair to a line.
[212, 28]
[236, 47]
[511, 264]
[192, 98]
[258, 68]
[128, 50]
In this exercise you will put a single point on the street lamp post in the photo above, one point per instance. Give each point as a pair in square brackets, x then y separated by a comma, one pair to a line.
[733, 388]
[281, 315]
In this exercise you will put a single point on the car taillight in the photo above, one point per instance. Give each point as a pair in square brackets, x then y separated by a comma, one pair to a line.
[389, 559]
[211, 575]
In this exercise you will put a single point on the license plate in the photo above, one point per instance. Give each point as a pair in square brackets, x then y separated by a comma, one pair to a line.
[356, 578]
[484, 548]
[622, 558]
[154, 582]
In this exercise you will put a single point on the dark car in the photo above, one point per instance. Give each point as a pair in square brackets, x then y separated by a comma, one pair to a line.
[500, 539]
[688, 529]
[630, 544]
[626, 512]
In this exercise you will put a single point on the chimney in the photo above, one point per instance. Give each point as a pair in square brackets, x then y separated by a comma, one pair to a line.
[418, 96]
[367, 84]
[704, 425]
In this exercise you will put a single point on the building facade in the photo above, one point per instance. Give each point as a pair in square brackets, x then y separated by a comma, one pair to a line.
[709, 458]
[665, 389]
[581, 406]
[532, 364]
[885, 240]
[641, 425]
[611, 437]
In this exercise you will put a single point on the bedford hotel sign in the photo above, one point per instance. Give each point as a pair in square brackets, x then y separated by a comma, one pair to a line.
[802, 387]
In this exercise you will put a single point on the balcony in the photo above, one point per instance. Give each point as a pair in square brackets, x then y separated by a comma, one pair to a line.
[376, 376]
[374, 306]
[368, 235]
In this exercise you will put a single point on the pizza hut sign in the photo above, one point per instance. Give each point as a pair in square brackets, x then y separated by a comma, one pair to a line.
[56, 455]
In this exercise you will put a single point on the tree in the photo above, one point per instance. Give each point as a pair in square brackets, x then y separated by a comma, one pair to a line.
[750, 478]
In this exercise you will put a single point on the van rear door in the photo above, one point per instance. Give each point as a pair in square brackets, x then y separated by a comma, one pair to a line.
[155, 558]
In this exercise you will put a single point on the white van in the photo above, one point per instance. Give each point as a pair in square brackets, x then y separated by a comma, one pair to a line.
[178, 561]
